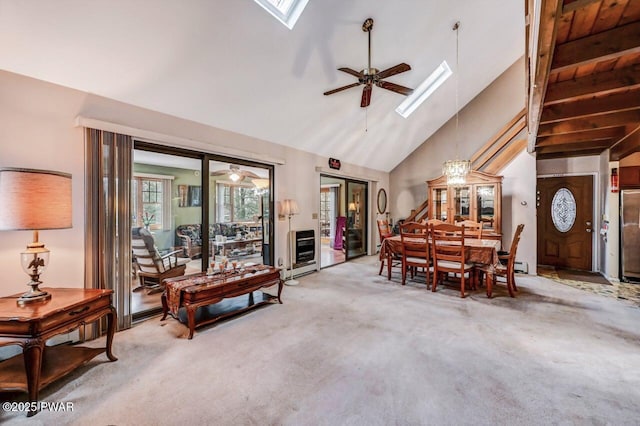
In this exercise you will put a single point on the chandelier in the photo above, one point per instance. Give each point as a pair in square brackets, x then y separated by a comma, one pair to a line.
[456, 170]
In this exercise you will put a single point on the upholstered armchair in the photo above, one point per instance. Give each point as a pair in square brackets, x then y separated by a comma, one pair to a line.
[190, 238]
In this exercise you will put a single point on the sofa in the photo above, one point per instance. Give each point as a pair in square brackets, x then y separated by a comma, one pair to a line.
[189, 236]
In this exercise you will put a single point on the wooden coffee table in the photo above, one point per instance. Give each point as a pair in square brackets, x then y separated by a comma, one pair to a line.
[201, 291]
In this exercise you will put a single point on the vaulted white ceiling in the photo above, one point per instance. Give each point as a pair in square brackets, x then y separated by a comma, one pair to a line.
[231, 65]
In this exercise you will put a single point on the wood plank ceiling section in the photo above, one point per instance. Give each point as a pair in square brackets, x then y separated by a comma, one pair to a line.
[586, 89]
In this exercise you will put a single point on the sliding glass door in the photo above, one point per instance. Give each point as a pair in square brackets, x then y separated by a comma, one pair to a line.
[356, 235]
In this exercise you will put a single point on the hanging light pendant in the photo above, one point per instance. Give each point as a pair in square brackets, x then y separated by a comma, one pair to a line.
[456, 170]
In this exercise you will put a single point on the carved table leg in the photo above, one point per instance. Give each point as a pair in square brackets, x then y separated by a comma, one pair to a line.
[489, 283]
[191, 319]
[112, 319]
[165, 306]
[280, 285]
[32, 352]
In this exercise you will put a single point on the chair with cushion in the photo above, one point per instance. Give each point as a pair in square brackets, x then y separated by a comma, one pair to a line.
[506, 269]
[415, 250]
[471, 228]
[152, 267]
[449, 255]
[388, 258]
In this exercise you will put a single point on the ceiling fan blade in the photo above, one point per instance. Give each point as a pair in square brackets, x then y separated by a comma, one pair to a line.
[352, 72]
[220, 172]
[339, 89]
[393, 70]
[366, 96]
[395, 87]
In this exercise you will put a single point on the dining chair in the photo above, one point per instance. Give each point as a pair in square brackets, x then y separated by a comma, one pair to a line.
[507, 269]
[415, 250]
[388, 257]
[449, 255]
[472, 228]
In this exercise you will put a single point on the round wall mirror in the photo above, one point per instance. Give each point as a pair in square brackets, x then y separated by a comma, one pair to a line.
[382, 201]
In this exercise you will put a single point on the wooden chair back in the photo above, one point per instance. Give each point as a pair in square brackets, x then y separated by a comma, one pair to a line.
[384, 229]
[448, 242]
[415, 248]
[472, 228]
[514, 248]
[449, 254]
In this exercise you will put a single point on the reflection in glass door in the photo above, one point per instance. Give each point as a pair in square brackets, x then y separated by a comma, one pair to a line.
[239, 214]
[356, 235]
[166, 211]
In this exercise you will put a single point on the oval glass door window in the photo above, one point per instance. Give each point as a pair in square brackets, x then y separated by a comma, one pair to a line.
[563, 210]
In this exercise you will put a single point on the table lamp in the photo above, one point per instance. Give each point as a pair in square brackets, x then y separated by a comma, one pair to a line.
[34, 200]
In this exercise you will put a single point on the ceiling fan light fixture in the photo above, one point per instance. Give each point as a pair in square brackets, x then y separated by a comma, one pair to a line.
[424, 90]
[234, 177]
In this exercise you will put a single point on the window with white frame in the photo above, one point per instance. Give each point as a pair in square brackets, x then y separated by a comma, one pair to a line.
[237, 203]
[151, 201]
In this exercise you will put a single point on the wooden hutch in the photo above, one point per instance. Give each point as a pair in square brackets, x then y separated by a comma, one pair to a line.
[479, 199]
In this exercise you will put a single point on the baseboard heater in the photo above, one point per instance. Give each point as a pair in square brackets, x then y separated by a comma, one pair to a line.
[520, 266]
[300, 269]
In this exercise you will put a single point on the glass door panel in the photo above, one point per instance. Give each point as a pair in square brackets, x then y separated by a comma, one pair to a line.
[485, 204]
[440, 205]
[166, 212]
[355, 237]
[461, 201]
[239, 214]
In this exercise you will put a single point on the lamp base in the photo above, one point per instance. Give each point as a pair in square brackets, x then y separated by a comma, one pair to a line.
[35, 295]
[291, 281]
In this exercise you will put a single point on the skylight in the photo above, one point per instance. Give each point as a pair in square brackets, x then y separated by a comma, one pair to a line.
[424, 90]
[285, 11]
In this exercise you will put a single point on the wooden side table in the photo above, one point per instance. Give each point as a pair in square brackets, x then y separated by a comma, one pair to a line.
[30, 326]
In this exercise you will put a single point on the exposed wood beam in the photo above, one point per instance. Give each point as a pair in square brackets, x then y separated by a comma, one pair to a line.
[628, 145]
[571, 148]
[613, 133]
[584, 153]
[599, 47]
[591, 106]
[578, 4]
[550, 11]
[590, 123]
[601, 83]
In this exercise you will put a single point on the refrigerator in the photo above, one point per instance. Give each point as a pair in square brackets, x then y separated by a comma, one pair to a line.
[630, 234]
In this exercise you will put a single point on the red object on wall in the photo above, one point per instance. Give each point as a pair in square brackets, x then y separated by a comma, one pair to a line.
[614, 180]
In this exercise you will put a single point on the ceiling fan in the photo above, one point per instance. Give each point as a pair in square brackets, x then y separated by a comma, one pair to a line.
[235, 173]
[370, 76]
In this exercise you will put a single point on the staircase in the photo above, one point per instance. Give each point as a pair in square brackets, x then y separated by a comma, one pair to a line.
[503, 147]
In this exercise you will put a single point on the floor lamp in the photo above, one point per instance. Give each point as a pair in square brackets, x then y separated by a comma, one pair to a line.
[290, 208]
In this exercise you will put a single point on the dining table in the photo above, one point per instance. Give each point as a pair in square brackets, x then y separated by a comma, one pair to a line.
[481, 252]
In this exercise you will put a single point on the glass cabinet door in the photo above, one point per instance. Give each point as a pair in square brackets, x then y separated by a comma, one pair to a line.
[462, 203]
[485, 204]
[439, 197]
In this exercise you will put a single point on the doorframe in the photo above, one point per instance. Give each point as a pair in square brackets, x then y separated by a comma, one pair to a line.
[368, 202]
[595, 247]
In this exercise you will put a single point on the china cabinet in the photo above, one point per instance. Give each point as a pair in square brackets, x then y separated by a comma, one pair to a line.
[479, 199]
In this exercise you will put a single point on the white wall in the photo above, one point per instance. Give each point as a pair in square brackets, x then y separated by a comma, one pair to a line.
[519, 206]
[38, 131]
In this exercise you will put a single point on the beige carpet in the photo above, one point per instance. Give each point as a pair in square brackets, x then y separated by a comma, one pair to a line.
[348, 347]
